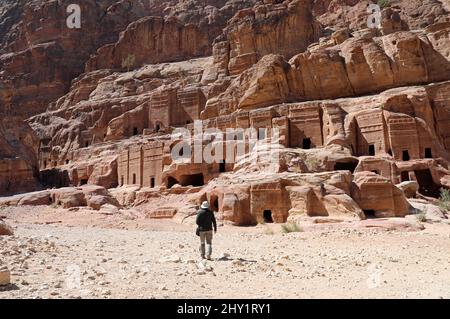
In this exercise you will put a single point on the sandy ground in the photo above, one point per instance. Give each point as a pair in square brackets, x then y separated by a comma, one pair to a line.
[56, 254]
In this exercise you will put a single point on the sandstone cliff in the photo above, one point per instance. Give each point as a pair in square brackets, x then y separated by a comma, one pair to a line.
[359, 109]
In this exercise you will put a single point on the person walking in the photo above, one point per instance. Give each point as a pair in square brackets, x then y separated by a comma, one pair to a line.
[206, 221]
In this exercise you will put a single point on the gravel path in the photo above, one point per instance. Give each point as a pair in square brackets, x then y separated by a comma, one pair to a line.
[57, 261]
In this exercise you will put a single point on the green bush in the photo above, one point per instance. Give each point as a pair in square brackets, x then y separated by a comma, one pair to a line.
[383, 3]
[129, 62]
[444, 199]
[54, 205]
[291, 228]
[421, 216]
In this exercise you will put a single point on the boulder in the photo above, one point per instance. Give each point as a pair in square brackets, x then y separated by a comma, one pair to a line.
[125, 195]
[5, 229]
[99, 201]
[93, 190]
[68, 197]
[409, 188]
[109, 209]
[36, 199]
[429, 211]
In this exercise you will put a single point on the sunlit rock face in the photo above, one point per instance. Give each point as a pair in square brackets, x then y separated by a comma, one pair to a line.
[355, 118]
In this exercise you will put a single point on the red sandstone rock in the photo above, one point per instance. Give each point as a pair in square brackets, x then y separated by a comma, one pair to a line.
[378, 197]
[355, 67]
[40, 56]
[285, 28]
[36, 199]
[5, 230]
[392, 224]
[170, 41]
[409, 188]
[359, 110]
[97, 201]
[69, 197]
[18, 156]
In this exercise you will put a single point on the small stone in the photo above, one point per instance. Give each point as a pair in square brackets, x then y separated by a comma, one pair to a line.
[170, 259]
[224, 256]
[106, 292]
[237, 262]
[5, 277]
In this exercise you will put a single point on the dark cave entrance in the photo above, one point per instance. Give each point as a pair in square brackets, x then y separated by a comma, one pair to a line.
[428, 153]
[405, 156]
[404, 176]
[83, 181]
[372, 150]
[222, 167]
[194, 180]
[306, 143]
[267, 215]
[171, 181]
[348, 166]
[152, 182]
[135, 131]
[369, 213]
[427, 187]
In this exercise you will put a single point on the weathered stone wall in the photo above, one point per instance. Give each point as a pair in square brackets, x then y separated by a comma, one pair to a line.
[152, 164]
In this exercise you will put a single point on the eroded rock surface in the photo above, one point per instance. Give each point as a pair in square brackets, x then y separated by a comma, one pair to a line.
[361, 112]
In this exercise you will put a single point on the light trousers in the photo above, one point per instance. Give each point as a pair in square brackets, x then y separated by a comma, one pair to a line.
[206, 236]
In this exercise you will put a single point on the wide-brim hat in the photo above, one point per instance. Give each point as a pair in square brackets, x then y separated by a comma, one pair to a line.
[205, 205]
